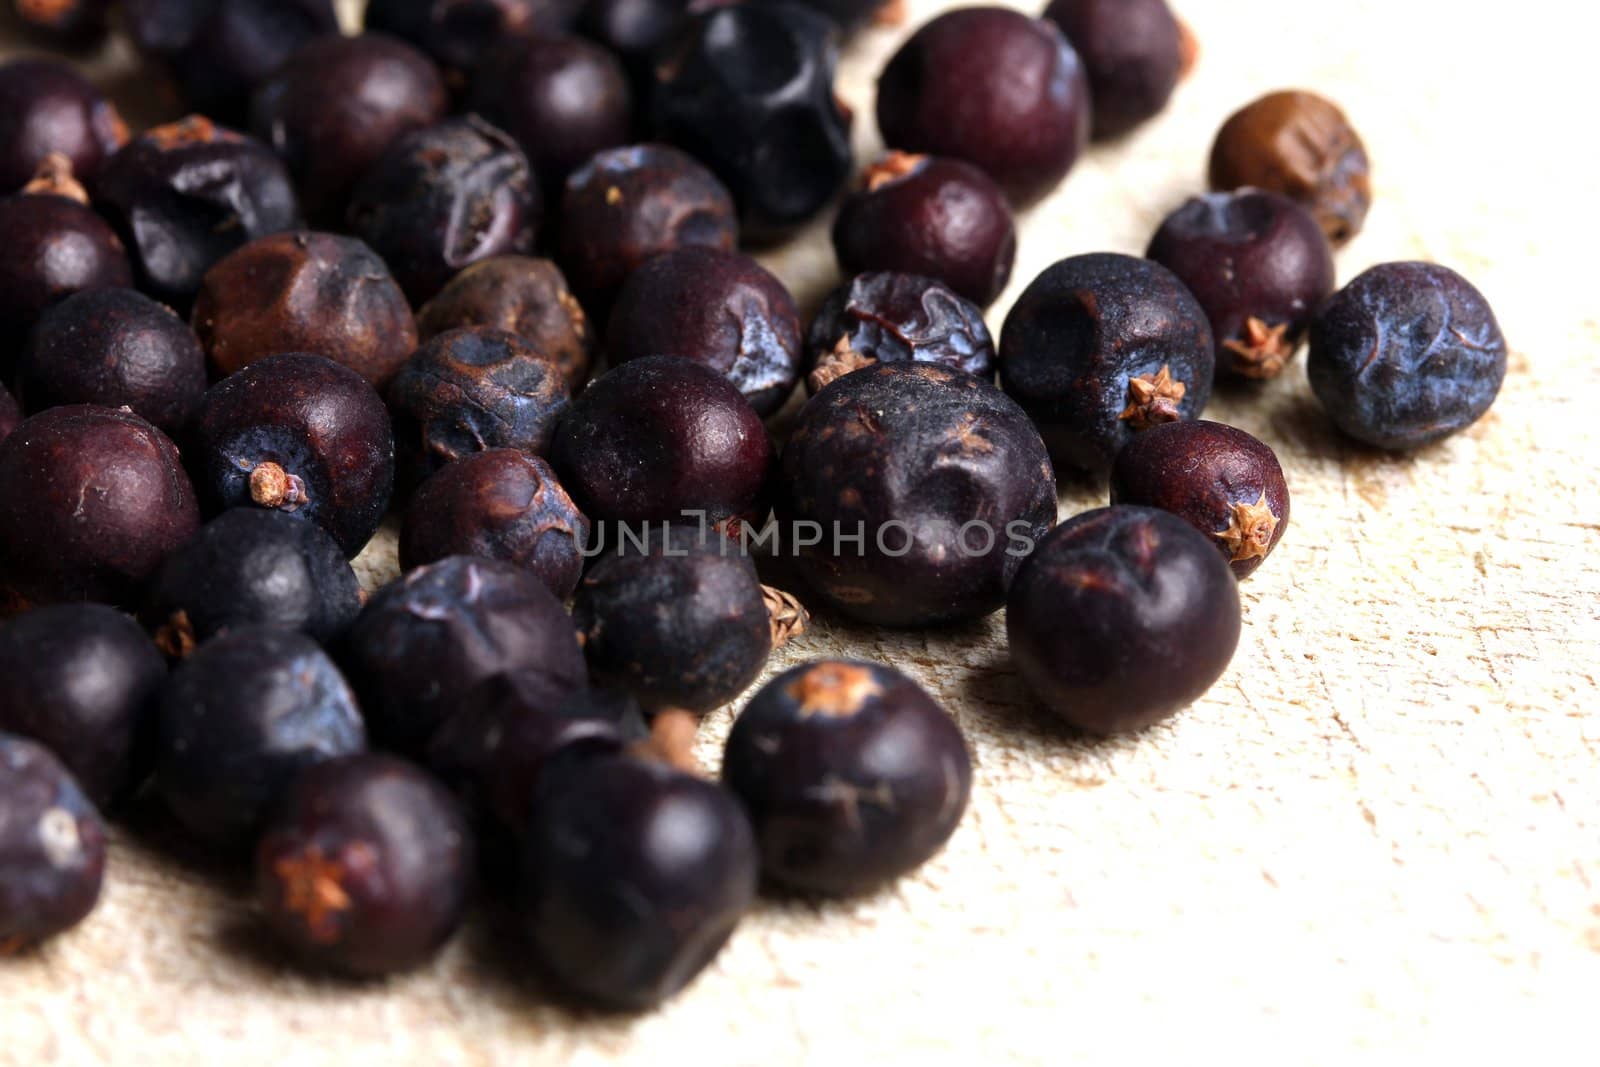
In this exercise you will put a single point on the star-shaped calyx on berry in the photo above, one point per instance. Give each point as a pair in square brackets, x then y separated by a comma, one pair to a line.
[1153, 399]
[1250, 530]
[313, 889]
[1262, 351]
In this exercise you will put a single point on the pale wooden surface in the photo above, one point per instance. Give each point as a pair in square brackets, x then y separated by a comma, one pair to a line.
[1380, 833]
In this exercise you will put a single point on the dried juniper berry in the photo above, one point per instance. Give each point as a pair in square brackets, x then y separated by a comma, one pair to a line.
[298, 434]
[68, 23]
[995, 87]
[469, 390]
[10, 413]
[439, 630]
[748, 89]
[1218, 479]
[938, 217]
[251, 567]
[95, 499]
[240, 719]
[850, 15]
[47, 108]
[1132, 52]
[1122, 617]
[184, 195]
[1259, 265]
[852, 774]
[635, 30]
[1100, 347]
[927, 485]
[52, 847]
[627, 204]
[722, 309]
[660, 437]
[634, 877]
[521, 295]
[461, 34]
[117, 348]
[1406, 354]
[443, 198]
[498, 504]
[365, 866]
[1302, 146]
[305, 292]
[82, 680]
[885, 317]
[337, 104]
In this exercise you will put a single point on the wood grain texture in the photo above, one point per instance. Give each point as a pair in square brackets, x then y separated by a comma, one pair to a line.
[1378, 836]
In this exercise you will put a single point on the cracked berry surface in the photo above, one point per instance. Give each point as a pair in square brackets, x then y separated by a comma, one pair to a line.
[885, 317]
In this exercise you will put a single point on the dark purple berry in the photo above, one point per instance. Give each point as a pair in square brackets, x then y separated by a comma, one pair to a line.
[52, 847]
[443, 198]
[251, 567]
[851, 773]
[164, 27]
[68, 23]
[848, 14]
[240, 720]
[10, 413]
[423, 640]
[460, 34]
[722, 309]
[995, 87]
[896, 318]
[628, 204]
[661, 437]
[1259, 265]
[184, 195]
[941, 218]
[500, 504]
[1100, 347]
[1406, 354]
[94, 500]
[469, 390]
[82, 680]
[926, 488]
[635, 876]
[305, 292]
[748, 89]
[116, 348]
[299, 434]
[1218, 479]
[635, 30]
[366, 866]
[1122, 617]
[1132, 52]
[48, 108]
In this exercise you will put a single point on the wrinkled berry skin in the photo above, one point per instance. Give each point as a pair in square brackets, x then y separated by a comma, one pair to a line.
[1132, 53]
[115, 348]
[635, 876]
[338, 103]
[460, 34]
[627, 204]
[183, 196]
[1259, 265]
[748, 90]
[896, 318]
[499, 504]
[365, 867]
[305, 292]
[1406, 354]
[252, 567]
[95, 499]
[680, 624]
[52, 847]
[937, 217]
[1122, 617]
[521, 295]
[851, 773]
[935, 450]
[82, 680]
[441, 629]
[1084, 348]
[443, 198]
[469, 390]
[315, 423]
[992, 86]
[68, 23]
[661, 436]
[722, 309]
[1220, 480]
[46, 106]
[1302, 146]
